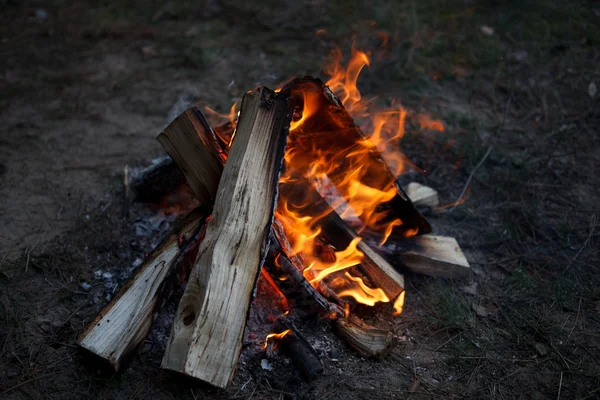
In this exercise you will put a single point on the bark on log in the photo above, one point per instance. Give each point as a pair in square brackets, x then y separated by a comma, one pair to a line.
[124, 323]
[343, 141]
[207, 333]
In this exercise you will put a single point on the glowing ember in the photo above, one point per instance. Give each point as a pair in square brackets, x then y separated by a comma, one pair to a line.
[275, 290]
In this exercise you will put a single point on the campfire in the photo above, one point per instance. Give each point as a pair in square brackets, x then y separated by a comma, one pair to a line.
[290, 189]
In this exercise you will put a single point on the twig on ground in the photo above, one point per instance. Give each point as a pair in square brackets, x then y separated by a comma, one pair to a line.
[591, 394]
[576, 318]
[559, 386]
[4, 259]
[587, 241]
[487, 153]
[126, 183]
[10, 389]
[28, 252]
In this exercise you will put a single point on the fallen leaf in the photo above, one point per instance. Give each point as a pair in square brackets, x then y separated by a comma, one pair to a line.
[414, 385]
[592, 89]
[519, 55]
[492, 308]
[481, 311]
[149, 51]
[471, 288]
[487, 30]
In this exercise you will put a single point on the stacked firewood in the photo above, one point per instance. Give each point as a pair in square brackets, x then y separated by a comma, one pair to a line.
[220, 248]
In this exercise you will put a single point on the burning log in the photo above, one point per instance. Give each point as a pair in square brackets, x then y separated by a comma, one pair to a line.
[193, 145]
[322, 112]
[337, 232]
[340, 234]
[373, 266]
[124, 323]
[291, 281]
[206, 339]
[367, 340]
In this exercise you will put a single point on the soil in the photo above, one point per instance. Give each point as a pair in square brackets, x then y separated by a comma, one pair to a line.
[84, 90]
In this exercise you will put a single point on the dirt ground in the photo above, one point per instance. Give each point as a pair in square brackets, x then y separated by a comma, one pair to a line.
[84, 90]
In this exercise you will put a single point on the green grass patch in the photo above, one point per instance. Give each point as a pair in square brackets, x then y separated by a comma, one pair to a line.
[450, 309]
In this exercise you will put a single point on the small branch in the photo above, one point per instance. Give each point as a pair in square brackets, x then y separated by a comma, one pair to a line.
[559, 386]
[487, 153]
[587, 241]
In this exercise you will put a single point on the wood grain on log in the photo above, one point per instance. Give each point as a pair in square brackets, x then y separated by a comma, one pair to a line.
[206, 339]
[368, 341]
[192, 144]
[439, 256]
[422, 196]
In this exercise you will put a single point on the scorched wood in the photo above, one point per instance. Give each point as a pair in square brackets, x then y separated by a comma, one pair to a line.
[295, 345]
[151, 183]
[367, 340]
[124, 323]
[207, 332]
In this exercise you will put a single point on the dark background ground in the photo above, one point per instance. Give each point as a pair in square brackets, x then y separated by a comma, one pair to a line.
[84, 89]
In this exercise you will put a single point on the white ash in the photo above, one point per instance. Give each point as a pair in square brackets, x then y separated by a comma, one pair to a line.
[266, 365]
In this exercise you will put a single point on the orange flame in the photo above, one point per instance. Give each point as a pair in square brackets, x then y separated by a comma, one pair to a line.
[365, 295]
[231, 116]
[339, 166]
[275, 336]
[426, 122]
[399, 303]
